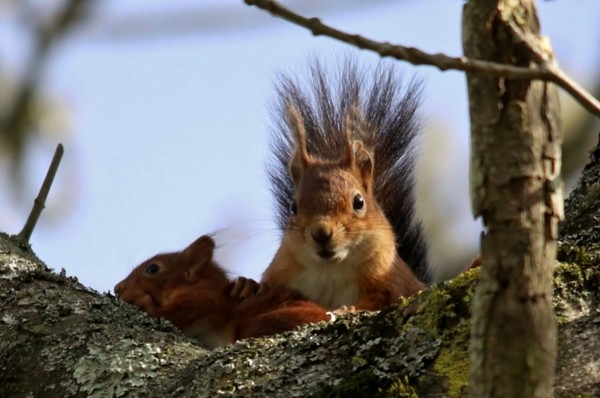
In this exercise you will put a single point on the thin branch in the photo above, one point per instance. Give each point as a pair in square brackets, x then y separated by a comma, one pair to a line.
[441, 61]
[541, 52]
[40, 202]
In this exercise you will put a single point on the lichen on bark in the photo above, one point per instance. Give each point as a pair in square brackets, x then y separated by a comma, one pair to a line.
[61, 339]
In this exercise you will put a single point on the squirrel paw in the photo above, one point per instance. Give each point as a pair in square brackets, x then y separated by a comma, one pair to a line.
[245, 287]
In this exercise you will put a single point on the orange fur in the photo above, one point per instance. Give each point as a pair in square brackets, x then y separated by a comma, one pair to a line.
[338, 248]
[192, 291]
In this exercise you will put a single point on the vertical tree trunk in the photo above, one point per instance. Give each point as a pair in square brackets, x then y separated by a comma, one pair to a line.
[516, 188]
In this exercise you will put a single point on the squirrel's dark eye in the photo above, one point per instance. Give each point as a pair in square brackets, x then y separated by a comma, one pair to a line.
[152, 268]
[293, 208]
[358, 203]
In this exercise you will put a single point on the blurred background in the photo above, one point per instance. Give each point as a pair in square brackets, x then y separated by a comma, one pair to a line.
[164, 111]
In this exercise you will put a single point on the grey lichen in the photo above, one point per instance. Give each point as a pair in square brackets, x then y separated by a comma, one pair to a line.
[360, 352]
[111, 371]
[581, 226]
[16, 259]
[80, 343]
[74, 341]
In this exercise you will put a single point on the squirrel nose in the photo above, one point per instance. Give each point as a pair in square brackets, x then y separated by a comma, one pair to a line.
[321, 234]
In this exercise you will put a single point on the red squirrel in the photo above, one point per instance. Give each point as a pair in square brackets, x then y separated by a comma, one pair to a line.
[191, 290]
[343, 183]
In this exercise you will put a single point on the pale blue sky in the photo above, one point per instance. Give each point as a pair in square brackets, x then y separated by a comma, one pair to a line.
[169, 133]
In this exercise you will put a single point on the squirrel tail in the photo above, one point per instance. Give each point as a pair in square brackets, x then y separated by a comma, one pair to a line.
[391, 129]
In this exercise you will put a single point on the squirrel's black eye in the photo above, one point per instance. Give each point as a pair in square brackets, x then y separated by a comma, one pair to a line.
[358, 203]
[152, 268]
[293, 208]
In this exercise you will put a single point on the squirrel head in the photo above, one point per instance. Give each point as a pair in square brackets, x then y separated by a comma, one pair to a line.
[356, 159]
[334, 214]
[151, 284]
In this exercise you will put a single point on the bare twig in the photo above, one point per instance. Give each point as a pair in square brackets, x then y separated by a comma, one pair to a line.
[40, 202]
[443, 62]
[541, 52]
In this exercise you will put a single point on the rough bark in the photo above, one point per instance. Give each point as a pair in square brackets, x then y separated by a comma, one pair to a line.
[61, 339]
[516, 189]
[583, 205]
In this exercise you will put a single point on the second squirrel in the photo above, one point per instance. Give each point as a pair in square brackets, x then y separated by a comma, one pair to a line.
[192, 291]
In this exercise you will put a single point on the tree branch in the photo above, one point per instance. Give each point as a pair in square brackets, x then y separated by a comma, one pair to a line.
[40, 202]
[541, 52]
[443, 62]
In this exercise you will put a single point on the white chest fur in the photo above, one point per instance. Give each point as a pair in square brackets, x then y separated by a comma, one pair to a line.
[330, 285]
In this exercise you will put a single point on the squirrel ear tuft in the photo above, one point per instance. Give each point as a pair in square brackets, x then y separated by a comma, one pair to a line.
[363, 163]
[198, 254]
[300, 159]
[354, 125]
[204, 245]
[355, 121]
[296, 167]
